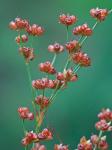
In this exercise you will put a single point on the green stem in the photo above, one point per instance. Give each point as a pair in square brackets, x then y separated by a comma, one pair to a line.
[54, 59]
[110, 11]
[24, 130]
[67, 33]
[32, 90]
[25, 147]
[30, 80]
[68, 59]
[80, 38]
[67, 62]
[76, 67]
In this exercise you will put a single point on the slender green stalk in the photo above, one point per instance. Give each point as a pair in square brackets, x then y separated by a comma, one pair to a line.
[80, 38]
[67, 62]
[37, 126]
[30, 80]
[54, 59]
[68, 59]
[58, 90]
[24, 130]
[110, 11]
[67, 33]
[75, 69]
[25, 147]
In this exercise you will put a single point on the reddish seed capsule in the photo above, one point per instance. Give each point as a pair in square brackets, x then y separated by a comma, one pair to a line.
[39, 147]
[25, 113]
[40, 83]
[27, 53]
[94, 139]
[83, 30]
[67, 19]
[29, 137]
[81, 58]
[35, 30]
[55, 48]
[42, 101]
[103, 145]
[106, 114]
[60, 147]
[47, 68]
[23, 38]
[72, 46]
[85, 144]
[55, 84]
[99, 14]
[102, 125]
[30, 116]
[18, 24]
[21, 23]
[46, 134]
[66, 76]
[12, 25]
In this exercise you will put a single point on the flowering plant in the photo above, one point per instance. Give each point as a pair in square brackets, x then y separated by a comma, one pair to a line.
[57, 81]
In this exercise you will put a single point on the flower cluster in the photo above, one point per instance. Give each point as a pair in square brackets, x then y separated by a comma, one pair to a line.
[67, 19]
[83, 30]
[105, 120]
[35, 30]
[60, 147]
[41, 100]
[47, 68]
[21, 25]
[72, 46]
[81, 58]
[98, 141]
[25, 113]
[38, 146]
[84, 144]
[99, 14]
[66, 76]
[55, 48]
[46, 83]
[29, 137]
[23, 38]
[27, 53]
[45, 135]
[33, 137]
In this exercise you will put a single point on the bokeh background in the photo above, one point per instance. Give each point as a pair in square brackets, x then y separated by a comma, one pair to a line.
[74, 112]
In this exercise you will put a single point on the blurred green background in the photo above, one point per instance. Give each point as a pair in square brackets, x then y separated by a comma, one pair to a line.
[74, 112]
